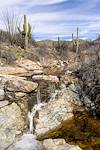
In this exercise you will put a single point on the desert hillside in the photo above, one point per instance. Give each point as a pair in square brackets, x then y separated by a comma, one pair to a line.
[50, 95]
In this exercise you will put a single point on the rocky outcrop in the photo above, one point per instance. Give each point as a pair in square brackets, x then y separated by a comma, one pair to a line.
[20, 85]
[14, 99]
[8, 70]
[58, 144]
[27, 142]
[11, 122]
[23, 67]
[30, 66]
[58, 96]
[56, 112]
[16, 84]
[53, 67]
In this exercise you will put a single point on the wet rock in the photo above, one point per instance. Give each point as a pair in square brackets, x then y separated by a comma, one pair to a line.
[27, 142]
[58, 144]
[56, 112]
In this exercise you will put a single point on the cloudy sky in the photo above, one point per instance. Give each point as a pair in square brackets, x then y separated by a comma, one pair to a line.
[53, 18]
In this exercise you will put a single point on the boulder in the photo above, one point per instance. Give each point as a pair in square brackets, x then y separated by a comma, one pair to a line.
[58, 144]
[18, 85]
[49, 78]
[55, 113]
[29, 65]
[11, 121]
[27, 142]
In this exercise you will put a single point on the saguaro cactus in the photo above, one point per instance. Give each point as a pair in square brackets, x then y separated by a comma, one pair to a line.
[76, 41]
[73, 42]
[26, 32]
[72, 37]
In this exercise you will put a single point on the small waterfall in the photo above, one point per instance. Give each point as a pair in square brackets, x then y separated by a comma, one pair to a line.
[31, 126]
[31, 114]
[38, 96]
[53, 91]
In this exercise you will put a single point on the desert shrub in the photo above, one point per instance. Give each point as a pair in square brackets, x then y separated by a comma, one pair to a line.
[3, 36]
[7, 57]
[89, 79]
[61, 48]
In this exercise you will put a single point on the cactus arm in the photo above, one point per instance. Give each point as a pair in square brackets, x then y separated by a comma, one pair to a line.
[19, 30]
[29, 30]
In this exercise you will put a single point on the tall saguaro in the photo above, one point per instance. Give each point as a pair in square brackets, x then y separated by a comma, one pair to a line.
[77, 41]
[26, 32]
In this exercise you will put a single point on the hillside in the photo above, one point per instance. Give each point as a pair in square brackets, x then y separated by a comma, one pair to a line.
[53, 94]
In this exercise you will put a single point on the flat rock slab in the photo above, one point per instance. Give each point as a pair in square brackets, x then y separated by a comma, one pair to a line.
[8, 70]
[17, 84]
[59, 144]
[20, 86]
[49, 78]
[29, 65]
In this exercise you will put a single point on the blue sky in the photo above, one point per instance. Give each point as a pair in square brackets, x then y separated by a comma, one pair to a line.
[53, 18]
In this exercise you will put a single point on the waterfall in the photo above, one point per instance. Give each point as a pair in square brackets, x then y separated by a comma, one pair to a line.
[38, 96]
[30, 118]
[53, 91]
[32, 114]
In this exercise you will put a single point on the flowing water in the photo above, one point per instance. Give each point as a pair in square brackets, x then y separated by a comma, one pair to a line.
[30, 119]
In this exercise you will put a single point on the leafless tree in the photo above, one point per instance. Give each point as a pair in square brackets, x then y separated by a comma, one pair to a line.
[11, 22]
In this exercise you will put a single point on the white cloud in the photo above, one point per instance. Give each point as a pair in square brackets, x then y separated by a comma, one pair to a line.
[45, 21]
[8, 3]
[46, 2]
